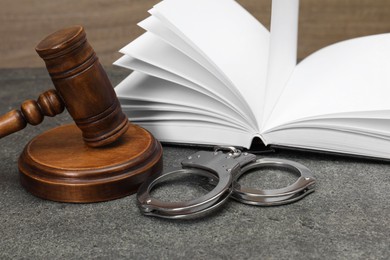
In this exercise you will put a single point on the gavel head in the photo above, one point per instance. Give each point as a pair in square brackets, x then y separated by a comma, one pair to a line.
[83, 86]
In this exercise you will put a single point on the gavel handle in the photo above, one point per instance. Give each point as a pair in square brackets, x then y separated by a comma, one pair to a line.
[49, 103]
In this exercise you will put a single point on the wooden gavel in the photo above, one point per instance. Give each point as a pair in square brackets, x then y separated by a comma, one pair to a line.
[82, 86]
[56, 164]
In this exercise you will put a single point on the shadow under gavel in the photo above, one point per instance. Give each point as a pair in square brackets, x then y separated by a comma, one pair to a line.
[57, 165]
[82, 86]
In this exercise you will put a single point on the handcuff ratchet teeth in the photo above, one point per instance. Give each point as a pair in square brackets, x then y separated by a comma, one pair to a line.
[223, 166]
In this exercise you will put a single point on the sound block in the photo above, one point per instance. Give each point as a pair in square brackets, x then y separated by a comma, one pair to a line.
[57, 165]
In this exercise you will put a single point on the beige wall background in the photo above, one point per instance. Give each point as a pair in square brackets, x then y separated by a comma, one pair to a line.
[110, 24]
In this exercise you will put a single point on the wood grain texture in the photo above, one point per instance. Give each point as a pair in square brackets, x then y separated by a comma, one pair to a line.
[57, 165]
[112, 24]
[32, 112]
[83, 85]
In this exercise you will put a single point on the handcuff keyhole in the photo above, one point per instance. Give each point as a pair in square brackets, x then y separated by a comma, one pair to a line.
[268, 177]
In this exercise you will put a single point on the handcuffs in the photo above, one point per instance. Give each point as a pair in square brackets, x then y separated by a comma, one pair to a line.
[223, 167]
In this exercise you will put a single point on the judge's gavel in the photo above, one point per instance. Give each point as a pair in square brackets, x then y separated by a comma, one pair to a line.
[82, 86]
[55, 164]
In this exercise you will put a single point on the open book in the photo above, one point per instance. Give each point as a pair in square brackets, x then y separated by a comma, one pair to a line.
[207, 72]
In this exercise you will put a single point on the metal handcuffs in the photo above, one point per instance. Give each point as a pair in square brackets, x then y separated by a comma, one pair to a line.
[223, 167]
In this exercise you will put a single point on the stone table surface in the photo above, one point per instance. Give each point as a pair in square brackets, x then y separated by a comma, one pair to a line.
[347, 217]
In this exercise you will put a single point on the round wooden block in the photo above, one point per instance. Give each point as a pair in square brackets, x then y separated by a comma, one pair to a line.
[57, 165]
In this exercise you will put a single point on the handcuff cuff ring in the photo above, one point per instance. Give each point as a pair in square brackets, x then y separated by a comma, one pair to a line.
[300, 188]
[195, 208]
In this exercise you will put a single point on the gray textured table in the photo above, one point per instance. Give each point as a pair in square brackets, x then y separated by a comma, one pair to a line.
[346, 218]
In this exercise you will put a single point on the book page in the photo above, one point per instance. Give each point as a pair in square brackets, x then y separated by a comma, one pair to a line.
[282, 51]
[199, 120]
[161, 92]
[228, 36]
[150, 49]
[335, 141]
[350, 76]
[197, 133]
[337, 100]
[146, 68]
[130, 105]
[379, 127]
[156, 27]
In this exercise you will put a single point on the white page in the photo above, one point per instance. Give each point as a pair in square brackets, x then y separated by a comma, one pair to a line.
[160, 91]
[364, 126]
[196, 133]
[282, 51]
[151, 49]
[159, 110]
[153, 25]
[227, 81]
[332, 141]
[130, 105]
[345, 77]
[141, 66]
[138, 116]
[373, 114]
[228, 36]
